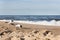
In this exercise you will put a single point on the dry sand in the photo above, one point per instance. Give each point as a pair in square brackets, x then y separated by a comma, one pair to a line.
[28, 32]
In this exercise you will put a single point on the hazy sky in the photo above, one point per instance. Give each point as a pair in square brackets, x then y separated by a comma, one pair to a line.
[29, 7]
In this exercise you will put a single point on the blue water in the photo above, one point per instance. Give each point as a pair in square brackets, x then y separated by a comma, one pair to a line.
[31, 17]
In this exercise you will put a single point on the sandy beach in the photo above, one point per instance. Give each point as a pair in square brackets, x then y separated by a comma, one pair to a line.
[9, 31]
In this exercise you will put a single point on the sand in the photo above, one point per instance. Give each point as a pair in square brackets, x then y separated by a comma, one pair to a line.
[9, 31]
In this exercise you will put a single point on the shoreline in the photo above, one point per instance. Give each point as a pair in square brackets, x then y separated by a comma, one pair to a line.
[33, 26]
[45, 23]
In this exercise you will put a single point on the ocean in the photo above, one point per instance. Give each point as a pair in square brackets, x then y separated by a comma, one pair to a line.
[53, 20]
[31, 17]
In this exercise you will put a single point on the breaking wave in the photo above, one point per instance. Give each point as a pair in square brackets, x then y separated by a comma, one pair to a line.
[52, 22]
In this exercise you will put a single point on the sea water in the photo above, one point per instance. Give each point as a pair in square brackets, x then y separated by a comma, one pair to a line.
[33, 19]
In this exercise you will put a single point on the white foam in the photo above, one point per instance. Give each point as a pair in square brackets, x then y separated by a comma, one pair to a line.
[52, 22]
[5, 20]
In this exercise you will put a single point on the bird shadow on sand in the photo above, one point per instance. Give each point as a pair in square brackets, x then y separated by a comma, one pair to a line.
[26, 28]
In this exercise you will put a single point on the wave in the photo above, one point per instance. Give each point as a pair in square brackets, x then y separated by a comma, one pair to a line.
[51, 23]
[31, 17]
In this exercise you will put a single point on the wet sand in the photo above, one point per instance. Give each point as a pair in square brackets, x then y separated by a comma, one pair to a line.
[54, 29]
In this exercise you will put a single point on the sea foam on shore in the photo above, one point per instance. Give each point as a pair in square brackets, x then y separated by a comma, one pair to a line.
[51, 23]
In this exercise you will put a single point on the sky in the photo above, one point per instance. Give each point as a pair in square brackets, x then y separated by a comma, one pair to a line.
[29, 7]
